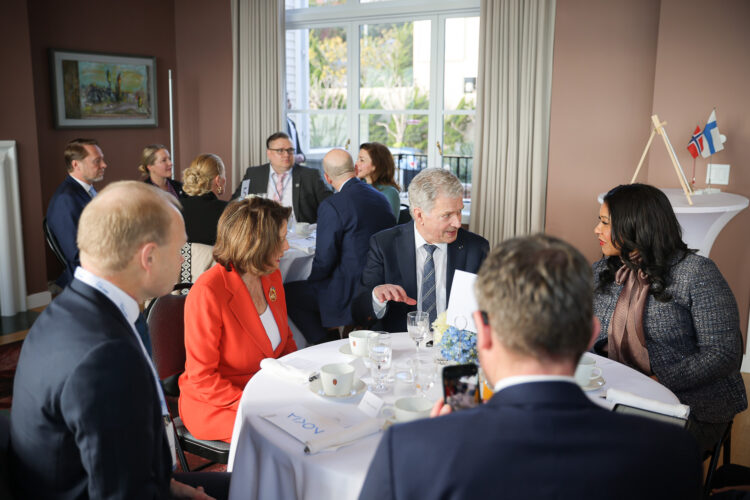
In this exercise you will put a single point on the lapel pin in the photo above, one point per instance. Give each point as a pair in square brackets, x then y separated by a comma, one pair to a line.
[272, 294]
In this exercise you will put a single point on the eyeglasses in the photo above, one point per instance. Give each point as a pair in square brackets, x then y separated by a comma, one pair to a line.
[289, 151]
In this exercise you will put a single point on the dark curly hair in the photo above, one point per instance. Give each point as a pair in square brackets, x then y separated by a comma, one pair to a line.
[642, 219]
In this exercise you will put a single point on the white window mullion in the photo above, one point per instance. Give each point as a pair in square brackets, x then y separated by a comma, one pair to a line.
[352, 86]
[435, 127]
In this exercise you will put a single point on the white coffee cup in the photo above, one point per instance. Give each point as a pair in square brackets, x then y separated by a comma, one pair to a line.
[408, 409]
[358, 341]
[337, 378]
[302, 228]
[586, 371]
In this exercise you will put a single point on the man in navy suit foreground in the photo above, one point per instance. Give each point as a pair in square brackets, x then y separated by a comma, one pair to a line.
[85, 162]
[346, 221]
[539, 436]
[88, 414]
[414, 263]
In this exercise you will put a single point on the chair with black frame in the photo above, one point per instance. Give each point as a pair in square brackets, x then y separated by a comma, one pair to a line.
[726, 442]
[53, 244]
[165, 318]
[403, 216]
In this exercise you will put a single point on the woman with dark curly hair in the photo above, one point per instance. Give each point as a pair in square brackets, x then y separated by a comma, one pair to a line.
[666, 311]
[376, 167]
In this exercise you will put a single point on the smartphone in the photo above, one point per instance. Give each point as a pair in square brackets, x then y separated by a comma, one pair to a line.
[632, 410]
[461, 386]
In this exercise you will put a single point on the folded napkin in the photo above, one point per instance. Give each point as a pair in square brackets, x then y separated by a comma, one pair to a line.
[286, 372]
[626, 398]
[347, 436]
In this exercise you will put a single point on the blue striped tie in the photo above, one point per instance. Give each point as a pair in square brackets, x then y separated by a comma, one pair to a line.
[428, 283]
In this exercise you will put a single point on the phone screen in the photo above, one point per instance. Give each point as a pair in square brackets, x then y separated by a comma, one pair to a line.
[461, 386]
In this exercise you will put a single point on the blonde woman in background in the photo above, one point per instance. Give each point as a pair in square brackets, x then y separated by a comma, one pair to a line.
[156, 169]
[204, 182]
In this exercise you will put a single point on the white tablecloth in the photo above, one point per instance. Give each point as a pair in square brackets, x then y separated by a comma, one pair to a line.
[266, 462]
[296, 262]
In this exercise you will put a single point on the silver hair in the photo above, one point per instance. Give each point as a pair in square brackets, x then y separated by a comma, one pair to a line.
[430, 183]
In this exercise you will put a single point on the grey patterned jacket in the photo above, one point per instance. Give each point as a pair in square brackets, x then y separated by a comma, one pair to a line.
[694, 341]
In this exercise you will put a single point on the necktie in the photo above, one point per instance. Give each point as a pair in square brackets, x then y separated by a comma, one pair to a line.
[142, 328]
[280, 186]
[428, 283]
[92, 191]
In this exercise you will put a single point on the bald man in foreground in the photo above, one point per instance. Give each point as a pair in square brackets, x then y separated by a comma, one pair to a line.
[346, 221]
[88, 416]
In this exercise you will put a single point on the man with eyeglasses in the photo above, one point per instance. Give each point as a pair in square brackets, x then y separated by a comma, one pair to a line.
[301, 188]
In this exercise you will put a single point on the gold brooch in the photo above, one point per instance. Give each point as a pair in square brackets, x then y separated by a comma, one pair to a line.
[272, 294]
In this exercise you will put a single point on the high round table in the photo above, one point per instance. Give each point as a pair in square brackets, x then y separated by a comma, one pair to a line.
[266, 462]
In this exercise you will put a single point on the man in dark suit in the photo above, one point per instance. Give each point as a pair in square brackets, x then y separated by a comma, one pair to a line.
[539, 436]
[295, 186]
[88, 415]
[415, 262]
[347, 221]
[85, 162]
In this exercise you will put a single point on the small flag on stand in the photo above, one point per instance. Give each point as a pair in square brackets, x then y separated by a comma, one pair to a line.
[695, 146]
[713, 140]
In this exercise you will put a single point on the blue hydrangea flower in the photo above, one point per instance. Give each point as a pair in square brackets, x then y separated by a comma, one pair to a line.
[459, 345]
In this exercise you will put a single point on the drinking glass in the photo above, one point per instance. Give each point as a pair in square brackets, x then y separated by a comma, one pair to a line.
[380, 355]
[426, 373]
[403, 378]
[417, 324]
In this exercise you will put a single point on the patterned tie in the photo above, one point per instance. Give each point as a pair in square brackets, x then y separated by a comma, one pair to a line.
[92, 191]
[142, 328]
[428, 283]
[280, 186]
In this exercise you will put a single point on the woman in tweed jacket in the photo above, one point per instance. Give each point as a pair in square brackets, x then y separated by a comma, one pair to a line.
[690, 321]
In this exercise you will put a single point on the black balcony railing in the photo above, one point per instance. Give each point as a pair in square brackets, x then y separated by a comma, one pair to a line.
[408, 166]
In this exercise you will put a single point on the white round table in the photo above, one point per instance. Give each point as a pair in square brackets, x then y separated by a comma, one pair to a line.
[702, 221]
[266, 462]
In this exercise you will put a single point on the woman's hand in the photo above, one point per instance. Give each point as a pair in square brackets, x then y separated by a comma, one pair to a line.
[440, 409]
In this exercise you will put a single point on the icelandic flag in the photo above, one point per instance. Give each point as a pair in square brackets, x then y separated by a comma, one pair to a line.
[712, 139]
[695, 146]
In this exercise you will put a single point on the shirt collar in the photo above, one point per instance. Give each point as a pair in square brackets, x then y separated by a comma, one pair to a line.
[85, 186]
[124, 302]
[344, 184]
[276, 175]
[419, 242]
[524, 379]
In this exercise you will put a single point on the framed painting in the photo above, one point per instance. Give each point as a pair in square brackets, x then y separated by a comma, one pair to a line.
[92, 90]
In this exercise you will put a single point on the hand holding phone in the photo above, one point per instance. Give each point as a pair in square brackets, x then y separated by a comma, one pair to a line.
[461, 386]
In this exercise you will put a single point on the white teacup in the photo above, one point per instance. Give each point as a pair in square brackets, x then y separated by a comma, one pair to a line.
[337, 378]
[302, 228]
[586, 371]
[408, 409]
[358, 341]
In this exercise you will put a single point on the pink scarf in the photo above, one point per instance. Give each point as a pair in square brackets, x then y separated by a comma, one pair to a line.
[626, 342]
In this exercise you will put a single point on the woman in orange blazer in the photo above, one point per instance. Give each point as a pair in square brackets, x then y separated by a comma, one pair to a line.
[235, 316]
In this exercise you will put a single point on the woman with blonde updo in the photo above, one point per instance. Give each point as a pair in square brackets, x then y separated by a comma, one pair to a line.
[204, 182]
[156, 169]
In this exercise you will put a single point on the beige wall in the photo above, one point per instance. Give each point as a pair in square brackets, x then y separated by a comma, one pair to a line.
[616, 64]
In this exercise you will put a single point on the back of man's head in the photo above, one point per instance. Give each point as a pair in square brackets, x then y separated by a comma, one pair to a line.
[76, 150]
[538, 294]
[431, 183]
[338, 164]
[120, 219]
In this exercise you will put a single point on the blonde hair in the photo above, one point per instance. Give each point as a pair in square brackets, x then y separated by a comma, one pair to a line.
[120, 219]
[148, 157]
[203, 170]
[248, 235]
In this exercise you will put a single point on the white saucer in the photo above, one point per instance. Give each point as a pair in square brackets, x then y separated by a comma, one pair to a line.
[316, 387]
[347, 349]
[595, 384]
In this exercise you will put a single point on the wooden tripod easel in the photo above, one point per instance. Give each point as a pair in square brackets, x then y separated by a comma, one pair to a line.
[659, 129]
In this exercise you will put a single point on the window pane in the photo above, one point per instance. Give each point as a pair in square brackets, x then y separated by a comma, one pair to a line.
[458, 147]
[395, 65]
[304, 4]
[461, 60]
[318, 133]
[316, 68]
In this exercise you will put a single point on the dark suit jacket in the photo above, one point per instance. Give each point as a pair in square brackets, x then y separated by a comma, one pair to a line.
[201, 214]
[392, 259]
[308, 189]
[176, 185]
[86, 419]
[63, 213]
[536, 440]
[347, 221]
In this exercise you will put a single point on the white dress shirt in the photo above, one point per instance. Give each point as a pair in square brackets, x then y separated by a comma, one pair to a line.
[286, 193]
[525, 379]
[271, 328]
[440, 259]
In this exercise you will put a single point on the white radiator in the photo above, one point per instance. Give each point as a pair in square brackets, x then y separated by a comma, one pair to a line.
[12, 274]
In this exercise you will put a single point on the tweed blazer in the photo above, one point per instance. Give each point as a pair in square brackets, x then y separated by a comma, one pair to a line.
[694, 341]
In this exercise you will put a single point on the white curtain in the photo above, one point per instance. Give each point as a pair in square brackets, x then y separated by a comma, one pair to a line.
[513, 108]
[257, 90]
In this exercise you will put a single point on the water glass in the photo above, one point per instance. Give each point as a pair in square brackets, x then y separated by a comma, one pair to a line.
[418, 325]
[403, 378]
[426, 374]
[380, 354]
